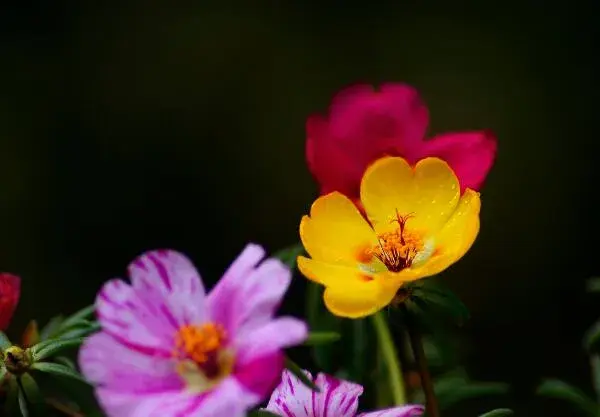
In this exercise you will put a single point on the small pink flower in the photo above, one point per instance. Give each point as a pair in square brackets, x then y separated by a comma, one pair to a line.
[167, 349]
[10, 292]
[365, 124]
[337, 398]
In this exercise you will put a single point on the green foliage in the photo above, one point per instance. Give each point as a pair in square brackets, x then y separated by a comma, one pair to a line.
[499, 412]
[555, 388]
[262, 413]
[297, 371]
[288, 255]
[321, 338]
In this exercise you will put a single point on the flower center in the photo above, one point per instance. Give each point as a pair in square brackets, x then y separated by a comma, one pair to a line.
[204, 360]
[397, 249]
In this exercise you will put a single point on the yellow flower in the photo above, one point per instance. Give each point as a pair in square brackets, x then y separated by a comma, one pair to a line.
[419, 226]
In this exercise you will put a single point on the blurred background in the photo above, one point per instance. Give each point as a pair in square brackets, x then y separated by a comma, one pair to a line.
[136, 126]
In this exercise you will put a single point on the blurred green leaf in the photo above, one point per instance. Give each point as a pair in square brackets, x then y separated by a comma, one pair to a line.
[4, 341]
[288, 255]
[58, 370]
[65, 361]
[499, 412]
[79, 329]
[52, 326]
[319, 320]
[81, 315]
[23, 404]
[455, 386]
[52, 347]
[321, 338]
[593, 285]
[299, 373]
[591, 339]
[262, 413]
[436, 299]
[555, 388]
[12, 407]
[595, 365]
[32, 394]
[359, 349]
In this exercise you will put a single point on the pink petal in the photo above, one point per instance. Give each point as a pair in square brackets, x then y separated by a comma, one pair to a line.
[405, 411]
[228, 399]
[338, 398]
[139, 319]
[173, 277]
[269, 338]
[106, 362]
[260, 375]
[291, 398]
[470, 154]
[247, 295]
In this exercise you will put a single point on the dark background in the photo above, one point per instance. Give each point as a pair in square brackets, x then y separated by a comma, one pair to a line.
[131, 127]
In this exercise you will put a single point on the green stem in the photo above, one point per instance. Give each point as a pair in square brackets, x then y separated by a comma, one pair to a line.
[388, 349]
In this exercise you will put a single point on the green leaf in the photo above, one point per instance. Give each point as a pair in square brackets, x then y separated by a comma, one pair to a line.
[52, 347]
[23, 404]
[79, 329]
[288, 255]
[65, 361]
[555, 388]
[12, 407]
[455, 386]
[81, 315]
[437, 299]
[262, 413]
[4, 341]
[321, 338]
[51, 327]
[299, 373]
[58, 370]
[320, 320]
[32, 393]
[499, 412]
[593, 285]
[591, 339]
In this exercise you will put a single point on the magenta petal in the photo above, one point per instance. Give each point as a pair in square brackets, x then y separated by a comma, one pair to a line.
[470, 154]
[172, 277]
[405, 411]
[139, 319]
[292, 398]
[106, 362]
[260, 375]
[337, 398]
[269, 338]
[248, 294]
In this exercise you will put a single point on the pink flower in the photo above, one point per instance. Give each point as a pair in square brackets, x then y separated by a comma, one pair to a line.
[167, 349]
[364, 125]
[10, 292]
[337, 398]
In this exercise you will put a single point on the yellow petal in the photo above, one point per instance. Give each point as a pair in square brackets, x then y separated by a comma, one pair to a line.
[350, 292]
[336, 231]
[430, 192]
[455, 238]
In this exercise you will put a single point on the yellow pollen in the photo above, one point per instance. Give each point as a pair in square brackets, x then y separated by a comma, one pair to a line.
[398, 248]
[200, 343]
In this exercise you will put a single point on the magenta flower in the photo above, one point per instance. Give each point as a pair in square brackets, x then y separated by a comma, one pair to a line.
[167, 349]
[365, 124]
[337, 398]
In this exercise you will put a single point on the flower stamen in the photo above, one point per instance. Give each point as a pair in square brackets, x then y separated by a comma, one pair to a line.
[202, 345]
[397, 249]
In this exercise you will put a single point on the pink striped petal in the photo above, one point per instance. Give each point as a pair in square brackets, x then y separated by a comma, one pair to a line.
[338, 398]
[405, 411]
[248, 294]
[139, 319]
[173, 277]
[107, 363]
[292, 398]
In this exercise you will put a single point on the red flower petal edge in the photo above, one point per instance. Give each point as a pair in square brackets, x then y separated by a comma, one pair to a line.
[364, 124]
[10, 291]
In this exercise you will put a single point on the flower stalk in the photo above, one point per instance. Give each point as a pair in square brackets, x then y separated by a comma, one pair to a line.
[416, 343]
[390, 356]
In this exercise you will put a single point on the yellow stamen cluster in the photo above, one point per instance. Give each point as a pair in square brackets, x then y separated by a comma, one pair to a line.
[398, 248]
[199, 343]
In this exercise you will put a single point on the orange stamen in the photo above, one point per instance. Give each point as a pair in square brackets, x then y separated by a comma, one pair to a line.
[397, 249]
[199, 343]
